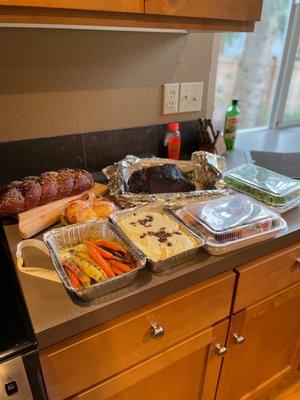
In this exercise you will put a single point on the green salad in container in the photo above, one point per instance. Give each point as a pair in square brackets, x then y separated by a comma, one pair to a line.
[269, 187]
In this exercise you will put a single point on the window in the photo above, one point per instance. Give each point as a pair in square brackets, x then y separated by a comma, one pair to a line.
[292, 105]
[250, 69]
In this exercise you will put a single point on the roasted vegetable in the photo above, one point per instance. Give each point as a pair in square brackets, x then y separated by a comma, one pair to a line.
[116, 270]
[94, 260]
[93, 252]
[88, 268]
[121, 266]
[102, 252]
[68, 264]
[110, 245]
[75, 282]
[89, 259]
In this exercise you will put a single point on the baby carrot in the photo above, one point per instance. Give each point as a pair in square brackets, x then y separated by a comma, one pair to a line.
[75, 282]
[83, 278]
[121, 266]
[100, 260]
[116, 270]
[102, 252]
[110, 245]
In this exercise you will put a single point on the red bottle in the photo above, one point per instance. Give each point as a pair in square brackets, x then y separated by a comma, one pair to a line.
[173, 141]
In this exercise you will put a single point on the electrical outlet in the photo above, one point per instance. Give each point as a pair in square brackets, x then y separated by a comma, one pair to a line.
[171, 94]
[190, 97]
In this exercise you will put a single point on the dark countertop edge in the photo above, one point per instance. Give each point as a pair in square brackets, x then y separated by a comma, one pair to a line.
[198, 274]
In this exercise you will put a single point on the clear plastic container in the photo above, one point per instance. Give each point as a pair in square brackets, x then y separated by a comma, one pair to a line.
[230, 223]
[269, 187]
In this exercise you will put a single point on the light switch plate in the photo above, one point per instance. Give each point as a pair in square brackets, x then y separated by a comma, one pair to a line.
[190, 96]
[171, 95]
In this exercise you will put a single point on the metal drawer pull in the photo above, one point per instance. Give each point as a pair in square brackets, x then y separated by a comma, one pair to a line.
[238, 339]
[220, 350]
[157, 331]
[298, 261]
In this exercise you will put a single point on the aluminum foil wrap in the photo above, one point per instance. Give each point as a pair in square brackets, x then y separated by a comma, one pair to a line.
[204, 170]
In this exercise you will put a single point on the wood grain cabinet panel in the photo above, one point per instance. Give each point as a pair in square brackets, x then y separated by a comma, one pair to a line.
[131, 6]
[86, 359]
[271, 331]
[223, 15]
[247, 10]
[266, 276]
[188, 370]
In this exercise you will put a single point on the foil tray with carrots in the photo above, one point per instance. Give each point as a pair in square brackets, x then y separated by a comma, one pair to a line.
[92, 259]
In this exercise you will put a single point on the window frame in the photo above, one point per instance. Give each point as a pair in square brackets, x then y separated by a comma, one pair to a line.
[286, 71]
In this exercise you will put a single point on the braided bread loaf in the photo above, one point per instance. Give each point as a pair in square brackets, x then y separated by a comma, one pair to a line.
[34, 191]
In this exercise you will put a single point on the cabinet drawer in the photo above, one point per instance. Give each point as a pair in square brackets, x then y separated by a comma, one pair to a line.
[267, 276]
[80, 362]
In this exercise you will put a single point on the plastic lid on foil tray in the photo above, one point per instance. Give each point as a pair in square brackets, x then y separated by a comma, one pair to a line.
[229, 218]
[267, 186]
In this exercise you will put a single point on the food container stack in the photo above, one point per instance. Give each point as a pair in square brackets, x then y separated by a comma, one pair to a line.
[228, 224]
[277, 191]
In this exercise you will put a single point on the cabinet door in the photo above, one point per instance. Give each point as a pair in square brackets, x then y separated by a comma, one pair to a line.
[188, 370]
[247, 10]
[271, 331]
[134, 6]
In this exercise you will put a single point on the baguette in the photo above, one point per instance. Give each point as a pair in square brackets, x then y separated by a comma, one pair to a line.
[33, 191]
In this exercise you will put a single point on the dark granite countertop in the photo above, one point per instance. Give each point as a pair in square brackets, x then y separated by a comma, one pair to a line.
[56, 316]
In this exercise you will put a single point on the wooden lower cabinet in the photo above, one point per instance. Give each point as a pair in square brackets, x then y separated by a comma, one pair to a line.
[270, 330]
[96, 355]
[188, 370]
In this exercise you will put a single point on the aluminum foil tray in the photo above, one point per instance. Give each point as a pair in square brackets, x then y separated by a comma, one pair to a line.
[204, 170]
[159, 266]
[60, 238]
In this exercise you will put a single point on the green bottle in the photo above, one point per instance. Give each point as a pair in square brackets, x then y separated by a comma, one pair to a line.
[231, 123]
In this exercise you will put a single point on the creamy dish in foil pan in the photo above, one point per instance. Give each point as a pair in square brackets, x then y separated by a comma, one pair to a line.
[156, 235]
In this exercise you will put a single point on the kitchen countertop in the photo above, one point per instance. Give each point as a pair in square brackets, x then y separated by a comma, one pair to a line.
[56, 316]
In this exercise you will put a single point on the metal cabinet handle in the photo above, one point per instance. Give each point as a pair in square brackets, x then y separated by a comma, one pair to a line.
[238, 339]
[220, 350]
[157, 331]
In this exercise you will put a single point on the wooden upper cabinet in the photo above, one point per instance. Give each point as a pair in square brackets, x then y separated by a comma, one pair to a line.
[247, 10]
[130, 6]
[191, 15]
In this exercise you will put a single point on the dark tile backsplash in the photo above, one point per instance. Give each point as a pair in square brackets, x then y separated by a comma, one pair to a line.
[105, 148]
[34, 156]
[92, 151]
